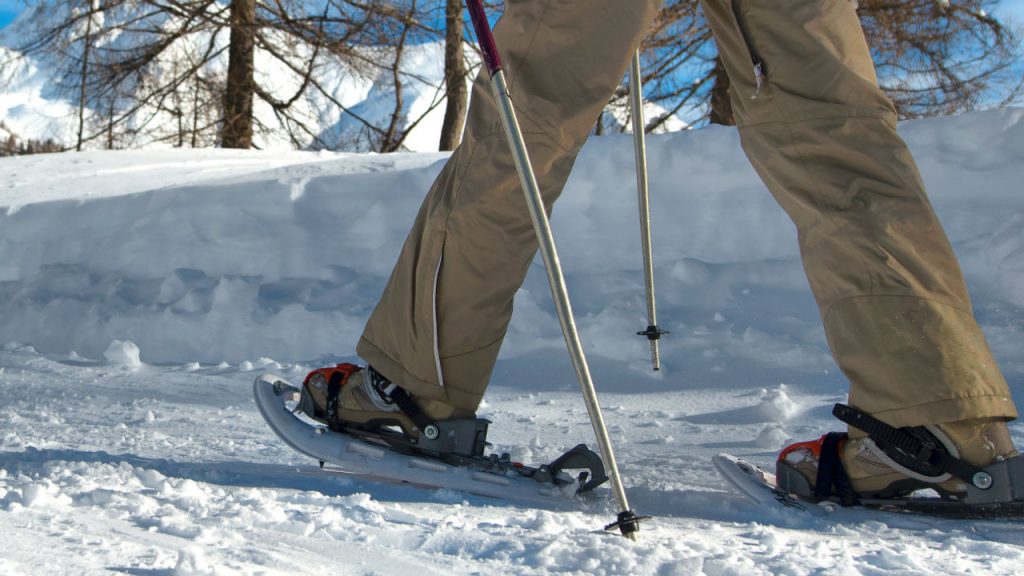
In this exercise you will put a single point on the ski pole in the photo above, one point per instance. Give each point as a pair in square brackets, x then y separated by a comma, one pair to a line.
[636, 99]
[628, 521]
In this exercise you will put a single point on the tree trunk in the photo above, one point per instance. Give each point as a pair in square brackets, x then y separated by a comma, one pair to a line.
[84, 81]
[238, 96]
[721, 106]
[454, 78]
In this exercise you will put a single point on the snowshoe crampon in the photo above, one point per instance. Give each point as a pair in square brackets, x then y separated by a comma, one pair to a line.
[389, 455]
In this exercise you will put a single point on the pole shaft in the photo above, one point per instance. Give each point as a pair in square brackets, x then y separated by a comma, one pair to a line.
[546, 244]
[556, 280]
[483, 36]
[640, 149]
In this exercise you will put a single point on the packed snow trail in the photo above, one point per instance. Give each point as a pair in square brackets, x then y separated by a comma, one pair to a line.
[222, 265]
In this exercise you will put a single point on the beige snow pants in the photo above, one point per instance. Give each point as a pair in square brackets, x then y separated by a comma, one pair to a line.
[820, 134]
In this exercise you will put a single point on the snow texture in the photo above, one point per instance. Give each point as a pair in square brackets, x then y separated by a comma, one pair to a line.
[147, 456]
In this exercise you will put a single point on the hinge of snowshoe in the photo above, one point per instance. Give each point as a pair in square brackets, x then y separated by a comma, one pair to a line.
[465, 437]
[915, 448]
[581, 458]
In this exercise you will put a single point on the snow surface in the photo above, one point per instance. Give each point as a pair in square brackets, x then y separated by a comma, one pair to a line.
[141, 292]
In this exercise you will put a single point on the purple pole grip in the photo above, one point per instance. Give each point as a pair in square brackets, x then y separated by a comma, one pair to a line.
[483, 36]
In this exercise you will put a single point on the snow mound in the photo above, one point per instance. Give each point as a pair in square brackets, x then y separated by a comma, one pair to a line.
[124, 353]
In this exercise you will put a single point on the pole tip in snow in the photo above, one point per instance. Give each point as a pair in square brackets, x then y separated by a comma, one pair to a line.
[628, 523]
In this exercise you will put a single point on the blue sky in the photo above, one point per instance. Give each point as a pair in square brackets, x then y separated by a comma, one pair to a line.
[8, 10]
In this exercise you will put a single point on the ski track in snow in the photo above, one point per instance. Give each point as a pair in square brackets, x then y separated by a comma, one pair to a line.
[152, 459]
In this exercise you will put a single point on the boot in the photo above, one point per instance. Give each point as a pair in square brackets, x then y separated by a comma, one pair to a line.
[348, 396]
[867, 472]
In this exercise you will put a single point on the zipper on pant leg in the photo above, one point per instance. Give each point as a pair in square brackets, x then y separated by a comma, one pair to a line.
[760, 72]
[434, 304]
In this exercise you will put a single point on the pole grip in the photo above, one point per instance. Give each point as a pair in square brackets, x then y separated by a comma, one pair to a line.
[483, 36]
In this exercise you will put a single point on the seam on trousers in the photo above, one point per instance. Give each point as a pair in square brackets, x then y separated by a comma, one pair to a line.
[473, 351]
[380, 350]
[861, 114]
[458, 181]
[970, 398]
[802, 160]
[551, 137]
[533, 39]
[827, 309]
[512, 76]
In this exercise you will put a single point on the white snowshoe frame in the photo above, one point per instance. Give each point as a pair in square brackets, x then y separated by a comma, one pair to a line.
[459, 464]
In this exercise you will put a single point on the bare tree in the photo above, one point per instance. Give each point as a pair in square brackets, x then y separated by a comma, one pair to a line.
[86, 48]
[933, 57]
[141, 68]
[237, 131]
[940, 57]
[455, 73]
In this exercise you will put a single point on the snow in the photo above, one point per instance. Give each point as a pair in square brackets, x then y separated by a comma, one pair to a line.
[141, 292]
[125, 353]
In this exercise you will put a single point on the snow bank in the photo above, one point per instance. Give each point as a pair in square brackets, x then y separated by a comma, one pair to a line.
[264, 255]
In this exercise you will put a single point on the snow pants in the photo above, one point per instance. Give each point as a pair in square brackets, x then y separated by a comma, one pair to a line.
[816, 128]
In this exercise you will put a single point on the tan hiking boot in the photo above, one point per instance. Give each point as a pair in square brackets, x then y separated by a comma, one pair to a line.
[873, 474]
[348, 396]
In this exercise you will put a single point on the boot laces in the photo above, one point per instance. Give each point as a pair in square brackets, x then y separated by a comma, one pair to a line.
[378, 390]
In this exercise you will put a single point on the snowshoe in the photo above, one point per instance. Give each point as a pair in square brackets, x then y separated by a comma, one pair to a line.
[963, 469]
[369, 433]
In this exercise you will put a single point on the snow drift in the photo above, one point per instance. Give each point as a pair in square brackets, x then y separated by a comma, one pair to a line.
[216, 255]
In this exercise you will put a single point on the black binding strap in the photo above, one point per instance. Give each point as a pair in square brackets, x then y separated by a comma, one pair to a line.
[402, 399]
[333, 392]
[906, 448]
[832, 474]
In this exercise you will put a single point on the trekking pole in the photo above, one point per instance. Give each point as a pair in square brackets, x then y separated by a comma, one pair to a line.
[636, 99]
[627, 522]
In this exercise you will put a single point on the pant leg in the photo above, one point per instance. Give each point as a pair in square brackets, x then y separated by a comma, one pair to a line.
[822, 136]
[441, 320]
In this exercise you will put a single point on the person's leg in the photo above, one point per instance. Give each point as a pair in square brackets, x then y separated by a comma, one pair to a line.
[438, 326]
[822, 136]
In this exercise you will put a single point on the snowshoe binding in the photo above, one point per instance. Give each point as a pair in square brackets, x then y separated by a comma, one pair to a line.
[362, 402]
[964, 469]
[376, 429]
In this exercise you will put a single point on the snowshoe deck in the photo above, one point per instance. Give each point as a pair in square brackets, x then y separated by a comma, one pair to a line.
[759, 485]
[379, 457]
